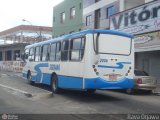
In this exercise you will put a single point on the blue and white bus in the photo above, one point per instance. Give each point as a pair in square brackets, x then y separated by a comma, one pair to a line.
[86, 60]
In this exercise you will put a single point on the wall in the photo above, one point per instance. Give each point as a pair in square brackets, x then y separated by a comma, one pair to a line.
[149, 62]
[148, 1]
[70, 24]
[87, 3]
[102, 5]
[132, 3]
[14, 66]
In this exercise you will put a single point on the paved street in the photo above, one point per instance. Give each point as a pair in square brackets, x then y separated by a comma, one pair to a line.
[75, 102]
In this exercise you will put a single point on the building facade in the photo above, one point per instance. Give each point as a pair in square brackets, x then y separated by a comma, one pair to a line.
[14, 40]
[96, 13]
[10, 56]
[144, 22]
[67, 17]
[26, 34]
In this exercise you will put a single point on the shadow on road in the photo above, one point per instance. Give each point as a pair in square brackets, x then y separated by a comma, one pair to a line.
[82, 96]
[137, 93]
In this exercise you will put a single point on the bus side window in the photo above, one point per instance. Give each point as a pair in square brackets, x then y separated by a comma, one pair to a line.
[58, 51]
[31, 54]
[82, 48]
[77, 49]
[44, 53]
[37, 54]
[53, 52]
[65, 47]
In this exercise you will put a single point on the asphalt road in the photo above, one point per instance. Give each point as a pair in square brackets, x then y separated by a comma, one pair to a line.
[76, 102]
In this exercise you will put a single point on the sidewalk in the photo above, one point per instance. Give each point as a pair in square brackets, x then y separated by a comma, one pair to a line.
[11, 73]
[14, 82]
[157, 90]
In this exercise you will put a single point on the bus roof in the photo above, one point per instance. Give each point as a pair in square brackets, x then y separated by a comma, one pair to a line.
[81, 33]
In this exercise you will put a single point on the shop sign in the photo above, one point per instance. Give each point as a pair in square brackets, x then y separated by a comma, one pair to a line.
[142, 19]
[143, 39]
[147, 41]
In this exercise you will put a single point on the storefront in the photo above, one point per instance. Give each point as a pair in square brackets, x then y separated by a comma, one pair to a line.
[143, 22]
[10, 57]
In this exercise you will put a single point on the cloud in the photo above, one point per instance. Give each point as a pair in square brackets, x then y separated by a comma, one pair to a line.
[38, 12]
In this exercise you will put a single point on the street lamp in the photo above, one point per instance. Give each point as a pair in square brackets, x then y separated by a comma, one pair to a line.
[24, 20]
[39, 34]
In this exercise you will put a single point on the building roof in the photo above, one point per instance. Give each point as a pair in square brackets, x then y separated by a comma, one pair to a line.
[13, 45]
[26, 28]
[26, 33]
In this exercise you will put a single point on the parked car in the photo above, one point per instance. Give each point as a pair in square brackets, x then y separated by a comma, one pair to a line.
[142, 81]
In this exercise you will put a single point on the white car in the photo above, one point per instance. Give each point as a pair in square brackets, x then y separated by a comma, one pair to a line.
[142, 81]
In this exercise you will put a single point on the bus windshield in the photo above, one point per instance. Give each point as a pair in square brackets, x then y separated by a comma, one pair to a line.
[113, 44]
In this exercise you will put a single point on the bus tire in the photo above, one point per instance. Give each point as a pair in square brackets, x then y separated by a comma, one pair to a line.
[29, 78]
[91, 91]
[129, 91]
[54, 84]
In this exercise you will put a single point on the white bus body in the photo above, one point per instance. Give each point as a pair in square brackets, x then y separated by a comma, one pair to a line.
[89, 60]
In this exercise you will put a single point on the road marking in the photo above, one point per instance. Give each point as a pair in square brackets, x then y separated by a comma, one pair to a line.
[17, 90]
[26, 94]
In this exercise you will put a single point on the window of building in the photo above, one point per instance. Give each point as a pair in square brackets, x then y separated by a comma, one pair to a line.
[97, 1]
[45, 53]
[80, 5]
[77, 49]
[1, 56]
[54, 19]
[110, 11]
[8, 55]
[72, 13]
[37, 54]
[31, 54]
[64, 53]
[26, 54]
[17, 55]
[88, 20]
[63, 17]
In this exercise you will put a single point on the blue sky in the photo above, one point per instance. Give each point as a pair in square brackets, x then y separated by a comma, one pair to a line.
[38, 12]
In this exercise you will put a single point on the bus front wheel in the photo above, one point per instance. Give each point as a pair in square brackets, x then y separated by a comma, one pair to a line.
[54, 84]
[29, 77]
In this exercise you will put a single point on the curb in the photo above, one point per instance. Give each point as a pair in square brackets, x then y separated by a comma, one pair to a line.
[26, 94]
[21, 92]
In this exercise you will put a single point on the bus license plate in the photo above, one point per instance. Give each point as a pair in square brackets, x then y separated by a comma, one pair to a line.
[112, 77]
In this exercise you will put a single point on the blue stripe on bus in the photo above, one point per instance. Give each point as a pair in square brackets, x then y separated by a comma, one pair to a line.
[98, 83]
[70, 82]
[120, 65]
[89, 83]
[38, 70]
[46, 79]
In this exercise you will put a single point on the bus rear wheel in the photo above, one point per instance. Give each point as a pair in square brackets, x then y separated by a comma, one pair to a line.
[54, 84]
[130, 91]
